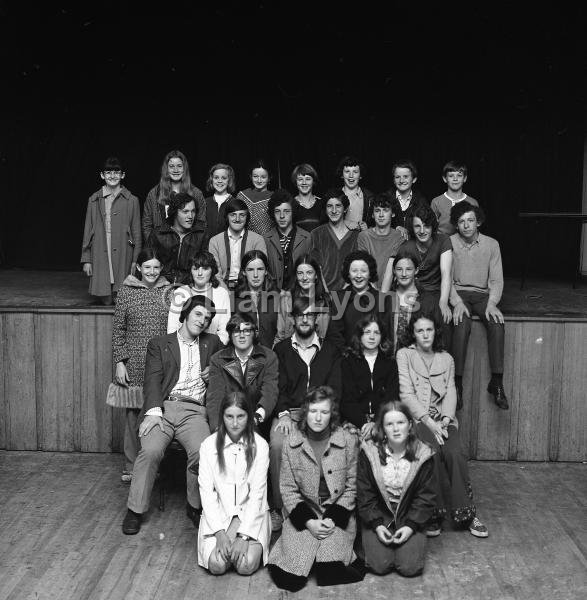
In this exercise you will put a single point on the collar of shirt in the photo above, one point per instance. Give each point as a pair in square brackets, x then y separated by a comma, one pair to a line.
[315, 342]
[228, 442]
[465, 245]
[285, 237]
[236, 237]
[182, 341]
[401, 200]
[455, 201]
[245, 359]
[390, 453]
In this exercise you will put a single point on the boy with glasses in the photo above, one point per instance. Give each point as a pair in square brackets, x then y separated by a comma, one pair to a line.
[305, 361]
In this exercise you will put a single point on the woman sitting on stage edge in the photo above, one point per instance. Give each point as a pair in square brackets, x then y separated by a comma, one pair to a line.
[235, 527]
[395, 493]
[318, 487]
[427, 387]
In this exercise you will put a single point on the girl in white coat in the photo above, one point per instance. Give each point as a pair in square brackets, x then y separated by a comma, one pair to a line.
[235, 527]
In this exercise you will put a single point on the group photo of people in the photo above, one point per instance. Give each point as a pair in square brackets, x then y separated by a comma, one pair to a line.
[306, 346]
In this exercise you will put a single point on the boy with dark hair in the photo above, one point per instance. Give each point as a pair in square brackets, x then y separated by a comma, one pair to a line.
[112, 234]
[180, 239]
[477, 288]
[454, 174]
[381, 240]
[405, 199]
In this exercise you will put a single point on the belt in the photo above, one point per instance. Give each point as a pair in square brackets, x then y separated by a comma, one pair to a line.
[180, 398]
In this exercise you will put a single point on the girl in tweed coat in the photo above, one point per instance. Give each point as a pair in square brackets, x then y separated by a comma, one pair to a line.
[318, 487]
[140, 314]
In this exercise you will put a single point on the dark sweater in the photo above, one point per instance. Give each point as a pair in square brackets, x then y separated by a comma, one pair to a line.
[293, 373]
[356, 386]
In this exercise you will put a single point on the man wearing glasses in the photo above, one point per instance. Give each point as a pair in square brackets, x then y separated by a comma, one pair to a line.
[246, 366]
[174, 390]
[305, 361]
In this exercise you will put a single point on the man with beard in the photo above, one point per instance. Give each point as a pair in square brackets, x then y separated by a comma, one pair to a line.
[305, 361]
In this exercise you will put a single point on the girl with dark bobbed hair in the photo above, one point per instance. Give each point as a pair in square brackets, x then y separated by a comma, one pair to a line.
[257, 197]
[395, 493]
[317, 483]
[235, 527]
[202, 280]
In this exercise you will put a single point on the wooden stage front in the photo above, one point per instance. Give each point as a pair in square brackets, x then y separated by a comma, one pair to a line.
[55, 367]
[61, 539]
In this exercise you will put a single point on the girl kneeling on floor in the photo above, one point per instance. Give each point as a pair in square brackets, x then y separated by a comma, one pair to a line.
[318, 487]
[235, 527]
[395, 493]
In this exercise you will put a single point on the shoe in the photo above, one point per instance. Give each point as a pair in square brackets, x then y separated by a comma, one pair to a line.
[433, 529]
[132, 523]
[276, 519]
[193, 514]
[126, 477]
[496, 389]
[478, 529]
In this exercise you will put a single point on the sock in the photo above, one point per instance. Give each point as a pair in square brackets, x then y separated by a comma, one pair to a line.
[497, 378]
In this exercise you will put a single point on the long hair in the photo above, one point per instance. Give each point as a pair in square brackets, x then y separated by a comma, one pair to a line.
[379, 437]
[318, 394]
[428, 218]
[242, 284]
[239, 400]
[321, 297]
[385, 346]
[408, 337]
[147, 253]
[177, 201]
[185, 184]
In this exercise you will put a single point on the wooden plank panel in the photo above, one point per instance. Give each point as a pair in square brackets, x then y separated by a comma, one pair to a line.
[494, 425]
[572, 424]
[56, 394]
[539, 345]
[19, 382]
[3, 404]
[96, 374]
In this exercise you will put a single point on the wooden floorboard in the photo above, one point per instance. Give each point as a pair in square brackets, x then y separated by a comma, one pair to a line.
[60, 518]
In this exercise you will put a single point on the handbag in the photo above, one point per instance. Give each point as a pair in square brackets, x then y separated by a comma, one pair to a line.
[119, 396]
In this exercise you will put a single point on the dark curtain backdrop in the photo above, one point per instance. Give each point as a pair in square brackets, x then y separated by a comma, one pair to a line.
[516, 163]
[500, 86]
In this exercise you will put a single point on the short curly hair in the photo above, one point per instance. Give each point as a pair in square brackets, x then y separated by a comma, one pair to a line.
[359, 255]
[349, 161]
[462, 207]
[318, 394]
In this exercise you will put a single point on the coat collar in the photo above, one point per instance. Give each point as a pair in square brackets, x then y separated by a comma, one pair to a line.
[203, 344]
[337, 438]
[233, 367]
[437, 367]
[423, 453]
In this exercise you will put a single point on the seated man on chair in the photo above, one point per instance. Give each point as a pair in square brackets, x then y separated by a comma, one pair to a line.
[176, 376]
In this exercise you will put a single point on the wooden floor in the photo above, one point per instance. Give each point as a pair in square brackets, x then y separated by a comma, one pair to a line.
[60, 518]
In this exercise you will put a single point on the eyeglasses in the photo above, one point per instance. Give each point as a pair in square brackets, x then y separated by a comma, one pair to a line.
[246, 332]
[309, 315]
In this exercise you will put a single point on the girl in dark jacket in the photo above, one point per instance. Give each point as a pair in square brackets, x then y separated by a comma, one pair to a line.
[395, 493]
[369, 374]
